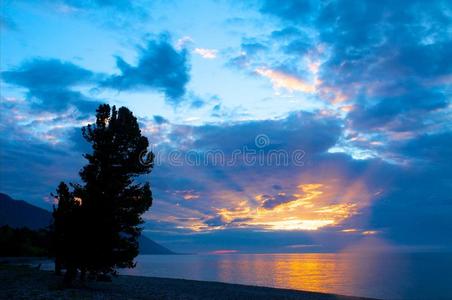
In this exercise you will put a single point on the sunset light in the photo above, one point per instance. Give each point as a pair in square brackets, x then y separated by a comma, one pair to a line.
[301, 145]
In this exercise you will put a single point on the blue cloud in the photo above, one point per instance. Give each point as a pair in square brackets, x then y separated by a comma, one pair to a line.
[434, 149]
[50, 83]
[32, 162]
[252, 47]
[392, 212]
[293, 10]
[47, 74]
[288, 32]
[160, 66]
[300, 130]
[389, 58]
[398, 113]
[160, 120]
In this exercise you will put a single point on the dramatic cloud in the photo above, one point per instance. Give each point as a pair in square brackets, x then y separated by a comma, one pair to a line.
[330, 195]
[330, 192]
[337, 126]
[159, 67]
[50, 83]
[398, 113]
[35, 152]
[46, 74]
[239, 190]
[389, 58]
[53, 85]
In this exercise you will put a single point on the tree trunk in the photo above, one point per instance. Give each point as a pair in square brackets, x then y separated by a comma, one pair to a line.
[69, 276]
[58, 266]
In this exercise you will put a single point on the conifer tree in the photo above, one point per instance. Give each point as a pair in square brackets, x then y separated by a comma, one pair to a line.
[66, 234]
[97, 225]
[112, 200]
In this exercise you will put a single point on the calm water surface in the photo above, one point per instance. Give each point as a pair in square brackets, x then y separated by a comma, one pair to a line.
[386, 276]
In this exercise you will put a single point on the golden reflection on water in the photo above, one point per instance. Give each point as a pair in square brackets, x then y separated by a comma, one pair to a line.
[313, 271]
[359, 273]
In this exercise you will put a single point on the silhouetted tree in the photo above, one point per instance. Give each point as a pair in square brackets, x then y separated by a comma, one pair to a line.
[109, 201]
[66, 235]
[23, 242]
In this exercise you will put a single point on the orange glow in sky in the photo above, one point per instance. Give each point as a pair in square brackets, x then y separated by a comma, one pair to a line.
[316, 205]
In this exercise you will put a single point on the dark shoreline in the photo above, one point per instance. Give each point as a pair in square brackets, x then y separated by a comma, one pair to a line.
[25, 282]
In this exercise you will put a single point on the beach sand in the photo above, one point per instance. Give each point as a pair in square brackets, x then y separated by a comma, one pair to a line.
[24, 282]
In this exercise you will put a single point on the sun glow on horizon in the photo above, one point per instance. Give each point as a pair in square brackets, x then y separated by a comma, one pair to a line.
[312, 207]
[297, 224]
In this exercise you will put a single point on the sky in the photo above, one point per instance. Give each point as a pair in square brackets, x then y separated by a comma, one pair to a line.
[293, 126]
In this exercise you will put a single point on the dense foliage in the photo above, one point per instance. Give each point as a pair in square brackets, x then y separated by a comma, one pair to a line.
[97, 224]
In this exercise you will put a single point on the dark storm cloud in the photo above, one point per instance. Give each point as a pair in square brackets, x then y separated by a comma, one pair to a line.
[160, 66]
[50, 83]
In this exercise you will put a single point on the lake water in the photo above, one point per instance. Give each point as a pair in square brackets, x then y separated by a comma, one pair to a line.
[386, 276]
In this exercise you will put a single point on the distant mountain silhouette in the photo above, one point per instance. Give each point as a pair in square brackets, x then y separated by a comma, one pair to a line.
[18, 213]
[148, 246]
